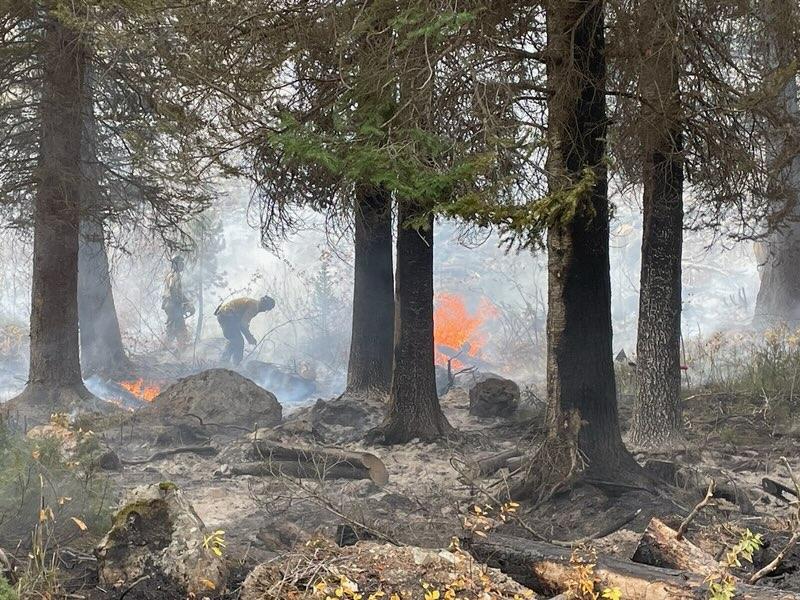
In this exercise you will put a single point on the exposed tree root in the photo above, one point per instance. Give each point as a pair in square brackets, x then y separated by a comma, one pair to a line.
[38, 401]
[396, 431]
[555, 466]
[559, 465]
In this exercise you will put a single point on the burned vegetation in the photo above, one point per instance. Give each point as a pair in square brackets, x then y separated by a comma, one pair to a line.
[366, 299]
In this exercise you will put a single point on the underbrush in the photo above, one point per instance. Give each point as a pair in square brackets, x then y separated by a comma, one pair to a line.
[49, 504]
[745, 372]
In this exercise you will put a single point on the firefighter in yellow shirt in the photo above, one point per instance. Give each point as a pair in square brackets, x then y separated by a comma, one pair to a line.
[234, 318]
[176, 305]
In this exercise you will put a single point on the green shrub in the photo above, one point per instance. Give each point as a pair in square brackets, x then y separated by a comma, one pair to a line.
[6, 591]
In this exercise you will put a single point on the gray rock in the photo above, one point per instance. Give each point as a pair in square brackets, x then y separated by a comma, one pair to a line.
[219, 396]
[494, 397]
[157, 533]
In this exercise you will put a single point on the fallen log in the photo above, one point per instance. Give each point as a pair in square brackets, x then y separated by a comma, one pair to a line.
[491, 464]
[313, 461]
[546, 569]
[660, 547]
[777, 489]
[301, 470]
[201, 450]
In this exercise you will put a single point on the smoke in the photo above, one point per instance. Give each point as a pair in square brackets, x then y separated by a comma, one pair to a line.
[306, 337]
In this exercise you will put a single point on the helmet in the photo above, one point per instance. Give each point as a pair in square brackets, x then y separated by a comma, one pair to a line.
[177, 261]
[266, 302]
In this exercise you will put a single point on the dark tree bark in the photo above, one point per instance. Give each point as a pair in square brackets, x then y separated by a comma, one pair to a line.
[657, 410]
[370, 366]
[54, 379]
[102, 351]
[414, 410]
[582, 400]
[778, 298]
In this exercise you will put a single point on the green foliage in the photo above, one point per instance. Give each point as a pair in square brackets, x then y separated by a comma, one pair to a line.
[215, 542]
[529, 221]
[759, 372]
[6, 591]
[724, 589]
[411, 168]
[722, 586]
[744, 548]
[417, 23]
[398, 111]
[72, 487]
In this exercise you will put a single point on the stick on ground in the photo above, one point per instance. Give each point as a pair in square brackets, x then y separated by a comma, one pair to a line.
[696, 510]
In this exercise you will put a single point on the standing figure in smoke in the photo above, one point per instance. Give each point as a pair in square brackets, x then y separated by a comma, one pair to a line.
[176, 305]
[234, 318]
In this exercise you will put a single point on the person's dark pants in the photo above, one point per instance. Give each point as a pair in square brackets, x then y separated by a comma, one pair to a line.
[232, 330]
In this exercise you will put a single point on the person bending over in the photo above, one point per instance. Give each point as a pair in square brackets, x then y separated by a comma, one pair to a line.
[234, 318]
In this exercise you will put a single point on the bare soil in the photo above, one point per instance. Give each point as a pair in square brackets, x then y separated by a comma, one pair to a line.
[428, 496]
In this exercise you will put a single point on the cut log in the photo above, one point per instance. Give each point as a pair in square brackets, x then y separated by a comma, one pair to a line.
[660, 547]
[546, 569]
[777, 489]
[314, 462]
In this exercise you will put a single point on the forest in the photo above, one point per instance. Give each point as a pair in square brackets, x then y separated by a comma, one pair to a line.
[399, 299]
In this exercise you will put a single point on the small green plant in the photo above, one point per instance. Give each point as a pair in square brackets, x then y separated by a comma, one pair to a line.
[167, 486]
[215, 542]
[582, 584]
[722, 586]
[744, 549]
[722, 589]
[480, 520]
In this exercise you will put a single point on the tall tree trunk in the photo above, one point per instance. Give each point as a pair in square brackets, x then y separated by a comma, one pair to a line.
[198, 330]
[414, 410]
[657, 410]
[582, 406]
[370, 365]
[102, 351]
[778, 298]
[54, 379]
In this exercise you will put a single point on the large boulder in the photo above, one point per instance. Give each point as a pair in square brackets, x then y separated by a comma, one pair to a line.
[219, 396]
[157, 534]
[494, 397]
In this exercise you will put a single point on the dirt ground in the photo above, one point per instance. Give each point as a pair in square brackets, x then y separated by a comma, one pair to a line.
[427, 495]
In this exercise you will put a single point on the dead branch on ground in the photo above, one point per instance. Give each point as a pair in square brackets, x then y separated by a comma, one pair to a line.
[696, 510]
[776, 562]
[201, 450]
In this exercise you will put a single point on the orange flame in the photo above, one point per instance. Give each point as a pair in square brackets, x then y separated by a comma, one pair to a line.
[140, 389]
[458, 329]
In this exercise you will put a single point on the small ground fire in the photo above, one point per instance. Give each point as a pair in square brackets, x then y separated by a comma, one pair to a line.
[143, 390]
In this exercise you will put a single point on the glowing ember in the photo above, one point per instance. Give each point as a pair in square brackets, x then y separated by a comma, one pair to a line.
[140, 389]
[456, 331]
